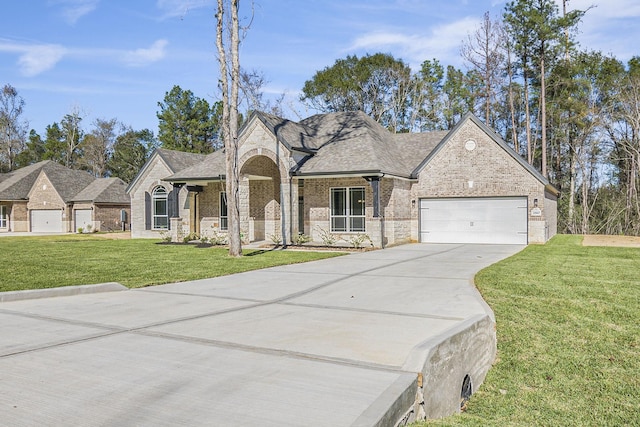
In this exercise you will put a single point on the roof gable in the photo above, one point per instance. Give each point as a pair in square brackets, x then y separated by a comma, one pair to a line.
[173, 160]
[469, 117]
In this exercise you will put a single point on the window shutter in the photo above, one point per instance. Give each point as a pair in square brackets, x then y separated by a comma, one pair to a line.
[147, 211]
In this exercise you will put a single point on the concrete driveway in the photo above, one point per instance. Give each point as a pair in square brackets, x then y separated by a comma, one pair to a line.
[365, 339]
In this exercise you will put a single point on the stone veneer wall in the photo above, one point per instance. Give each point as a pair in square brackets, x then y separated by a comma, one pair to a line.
[493, 172]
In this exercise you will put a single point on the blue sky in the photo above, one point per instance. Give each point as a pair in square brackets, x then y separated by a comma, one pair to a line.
[117, 58]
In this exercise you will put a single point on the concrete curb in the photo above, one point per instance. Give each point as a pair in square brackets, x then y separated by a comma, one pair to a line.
[63, 291]
[391, 405]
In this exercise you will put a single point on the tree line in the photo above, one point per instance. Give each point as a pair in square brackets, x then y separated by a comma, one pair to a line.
[572, 113]
[108, 147]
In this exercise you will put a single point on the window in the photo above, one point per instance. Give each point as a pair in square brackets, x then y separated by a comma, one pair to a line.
[3, 216]
[224, 218]
[347, 209]
[160, 209]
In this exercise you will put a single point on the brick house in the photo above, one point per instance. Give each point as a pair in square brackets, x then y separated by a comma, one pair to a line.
[48, 197]
[343, 175]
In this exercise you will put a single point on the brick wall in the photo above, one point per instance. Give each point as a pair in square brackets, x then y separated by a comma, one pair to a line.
[107, 217]
[44, 196]
[18, 216]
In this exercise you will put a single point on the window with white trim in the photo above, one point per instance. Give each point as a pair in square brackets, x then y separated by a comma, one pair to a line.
[3, 216]
[224, 218]
[160, 208]
[347, 209]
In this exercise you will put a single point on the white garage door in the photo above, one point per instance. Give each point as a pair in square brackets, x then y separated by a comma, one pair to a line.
[46, 221]
[474, 220]
[82, 219]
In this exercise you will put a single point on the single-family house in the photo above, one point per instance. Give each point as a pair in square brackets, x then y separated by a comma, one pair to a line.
[48, 197]
[343, 175]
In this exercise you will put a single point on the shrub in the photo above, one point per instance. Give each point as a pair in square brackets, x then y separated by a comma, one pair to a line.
[301, 239]
[328, 238]
[356, 240]
[275, 238]
[218, 238]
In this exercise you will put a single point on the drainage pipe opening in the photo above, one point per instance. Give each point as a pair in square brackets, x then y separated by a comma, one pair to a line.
[466, 392]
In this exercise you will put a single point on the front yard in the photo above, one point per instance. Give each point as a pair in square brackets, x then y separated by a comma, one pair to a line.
[52, 261]
[568, 325]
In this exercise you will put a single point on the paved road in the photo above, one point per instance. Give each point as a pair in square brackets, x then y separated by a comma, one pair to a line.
[327, 343]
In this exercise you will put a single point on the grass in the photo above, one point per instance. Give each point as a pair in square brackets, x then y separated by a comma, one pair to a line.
[52, 261]
[568, 327]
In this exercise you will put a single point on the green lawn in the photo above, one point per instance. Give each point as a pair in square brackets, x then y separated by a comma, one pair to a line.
[52, 261]
[568, 321]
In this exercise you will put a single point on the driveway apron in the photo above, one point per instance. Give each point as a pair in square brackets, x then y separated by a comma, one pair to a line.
[327, 343]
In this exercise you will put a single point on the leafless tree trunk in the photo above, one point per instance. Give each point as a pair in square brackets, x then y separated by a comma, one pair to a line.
[543, 118]
[512, 108]
[572, 190]
[13, 130]
[484, 51]
[230, 116]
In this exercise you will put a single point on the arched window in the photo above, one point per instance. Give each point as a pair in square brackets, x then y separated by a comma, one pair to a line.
[160, 209]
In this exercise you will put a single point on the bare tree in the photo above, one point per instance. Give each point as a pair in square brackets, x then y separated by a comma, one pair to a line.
[484, 51]
[13, 130]
[229, 85]
[72, 133]
[97, 146]
[252, 84]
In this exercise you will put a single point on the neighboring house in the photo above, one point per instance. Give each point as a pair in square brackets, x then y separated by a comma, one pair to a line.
[343, 175]
[48, 197]
[103, 205]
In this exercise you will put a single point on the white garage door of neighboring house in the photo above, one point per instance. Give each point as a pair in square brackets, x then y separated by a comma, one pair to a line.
[82, 219]
[46, 221]
[500, 220]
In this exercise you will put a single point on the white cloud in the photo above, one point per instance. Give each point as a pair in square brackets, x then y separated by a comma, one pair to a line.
[34, 59]
[144, 56]
[610, 26]
[442, 42]
[179, 8]
[38, 59]
[73, 10]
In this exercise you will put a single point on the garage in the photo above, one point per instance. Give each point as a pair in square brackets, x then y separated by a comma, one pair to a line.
[498, 220]
[46, 221]
[82, 219]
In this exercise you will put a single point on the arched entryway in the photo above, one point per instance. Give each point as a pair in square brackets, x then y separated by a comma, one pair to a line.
[264, 212]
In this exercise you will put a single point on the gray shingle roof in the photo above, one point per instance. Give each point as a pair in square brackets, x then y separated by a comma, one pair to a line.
[335, 143]
[354, 143]
[67, 182]
[179, 160]
[104, 190]
[211, 168]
